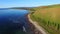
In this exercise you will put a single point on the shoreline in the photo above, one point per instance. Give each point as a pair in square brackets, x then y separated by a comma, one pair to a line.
[31, 28]
[37, 29]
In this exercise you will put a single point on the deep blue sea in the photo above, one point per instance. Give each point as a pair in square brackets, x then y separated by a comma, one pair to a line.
[12, 21]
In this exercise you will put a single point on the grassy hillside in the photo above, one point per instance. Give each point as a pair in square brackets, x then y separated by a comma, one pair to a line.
[48, 17]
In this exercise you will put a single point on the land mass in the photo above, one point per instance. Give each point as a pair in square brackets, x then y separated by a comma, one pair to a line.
[48, 17]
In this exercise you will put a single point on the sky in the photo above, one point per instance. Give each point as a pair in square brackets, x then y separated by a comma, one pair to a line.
[26, 3]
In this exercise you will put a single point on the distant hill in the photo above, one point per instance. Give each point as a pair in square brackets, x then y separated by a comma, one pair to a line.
[25, 8]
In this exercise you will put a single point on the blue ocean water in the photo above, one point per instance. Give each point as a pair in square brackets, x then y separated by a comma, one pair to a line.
[12, 21]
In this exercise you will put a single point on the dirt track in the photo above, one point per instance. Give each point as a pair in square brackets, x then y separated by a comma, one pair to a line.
[36, 29]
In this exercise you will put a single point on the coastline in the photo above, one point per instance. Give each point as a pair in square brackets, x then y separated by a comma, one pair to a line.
[31, 28]
[38, 29]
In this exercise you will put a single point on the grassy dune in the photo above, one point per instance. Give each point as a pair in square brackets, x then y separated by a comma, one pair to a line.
[48, 17]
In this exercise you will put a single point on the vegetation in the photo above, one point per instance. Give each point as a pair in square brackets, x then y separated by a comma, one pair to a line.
[23, 8]
[48, 17]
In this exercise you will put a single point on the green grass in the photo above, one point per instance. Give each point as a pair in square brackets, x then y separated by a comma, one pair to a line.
[48, 17]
